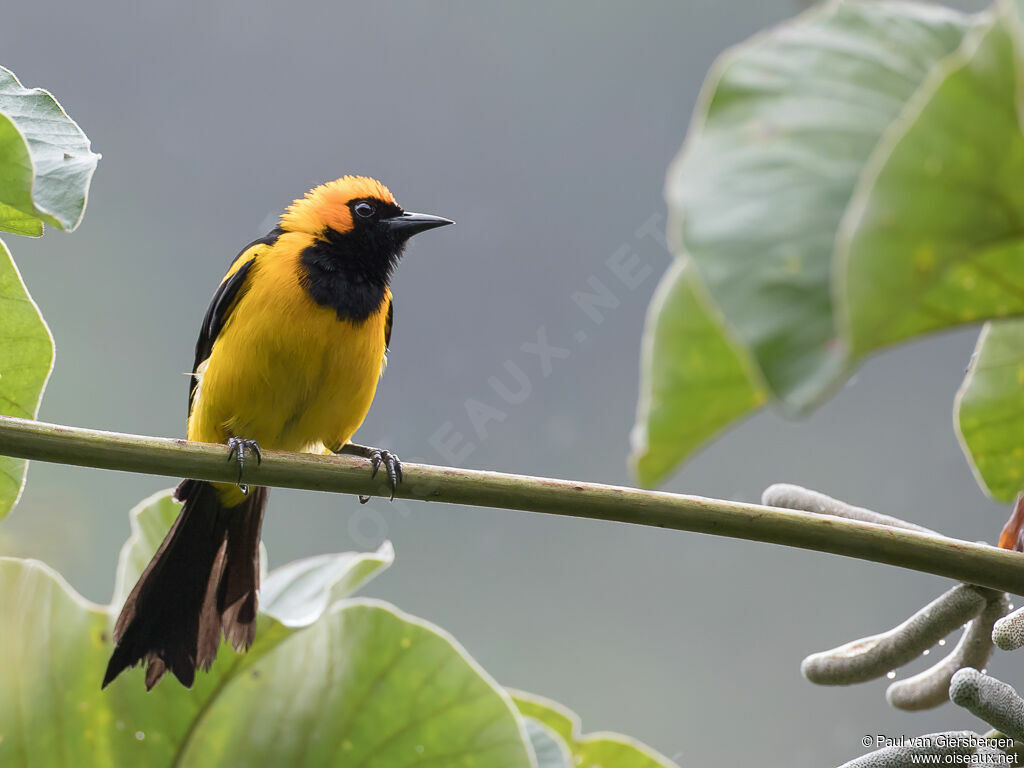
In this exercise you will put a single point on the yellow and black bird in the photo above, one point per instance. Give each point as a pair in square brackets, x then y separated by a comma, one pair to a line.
[288, 358]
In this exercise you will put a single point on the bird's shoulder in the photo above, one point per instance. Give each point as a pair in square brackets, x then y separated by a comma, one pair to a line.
[225, 299]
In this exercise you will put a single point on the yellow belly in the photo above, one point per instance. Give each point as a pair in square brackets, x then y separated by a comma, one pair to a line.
[287, 372]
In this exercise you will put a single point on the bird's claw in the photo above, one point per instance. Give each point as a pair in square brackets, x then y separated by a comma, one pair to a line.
[392, 465]
[237, 448]
[378, 458]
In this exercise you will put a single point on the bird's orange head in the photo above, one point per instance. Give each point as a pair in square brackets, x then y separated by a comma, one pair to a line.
[357, 234]
[351, 205]
[329, 206]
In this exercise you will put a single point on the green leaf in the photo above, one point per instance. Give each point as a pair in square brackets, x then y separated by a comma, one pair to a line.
[45, 160]
[593, 750]
[45, 169]
[783, 129]
[26, 358]
[297, 594]
[14, 221]
[366, 685]
[694, 379]
[53, 652]
[935, 236]
[989, 412]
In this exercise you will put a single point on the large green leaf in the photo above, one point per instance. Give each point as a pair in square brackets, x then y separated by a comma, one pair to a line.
[365, 686]
[26, 357]
[784, 126]
[45, 161]
[989, 411]
[53, 650]
[409, 690]
[694, 379]
[935, 235]
[592, 750]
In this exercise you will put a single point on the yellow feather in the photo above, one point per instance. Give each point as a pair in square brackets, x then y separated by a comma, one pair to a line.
[285, 371]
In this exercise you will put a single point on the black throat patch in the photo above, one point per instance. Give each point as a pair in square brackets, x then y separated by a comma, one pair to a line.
[350, 272]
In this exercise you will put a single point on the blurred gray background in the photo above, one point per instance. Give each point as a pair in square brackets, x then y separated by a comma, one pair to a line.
[544, 131]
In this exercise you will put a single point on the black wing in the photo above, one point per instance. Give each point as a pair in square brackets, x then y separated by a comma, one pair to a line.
[220, 307]
[216, 316]
[387, 325]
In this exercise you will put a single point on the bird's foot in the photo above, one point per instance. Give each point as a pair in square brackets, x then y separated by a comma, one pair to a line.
[378, 458]
[237, 448]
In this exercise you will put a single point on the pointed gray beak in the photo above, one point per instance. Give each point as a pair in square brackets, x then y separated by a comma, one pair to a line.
[409, 224]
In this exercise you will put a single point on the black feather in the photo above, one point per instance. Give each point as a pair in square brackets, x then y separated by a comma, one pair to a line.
[350, 271]
[202, 580]
[223, 301]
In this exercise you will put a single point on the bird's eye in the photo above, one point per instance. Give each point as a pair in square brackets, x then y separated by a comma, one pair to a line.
[364, 209]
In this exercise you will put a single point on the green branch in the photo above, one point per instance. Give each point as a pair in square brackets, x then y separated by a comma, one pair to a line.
[972, 563]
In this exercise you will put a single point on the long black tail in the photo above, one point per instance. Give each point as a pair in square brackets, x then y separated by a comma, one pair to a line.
[202, 580]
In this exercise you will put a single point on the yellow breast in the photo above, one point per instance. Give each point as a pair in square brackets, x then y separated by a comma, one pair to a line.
[286, 371]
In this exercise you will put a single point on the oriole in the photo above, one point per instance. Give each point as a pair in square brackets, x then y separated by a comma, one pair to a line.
[288, 358]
